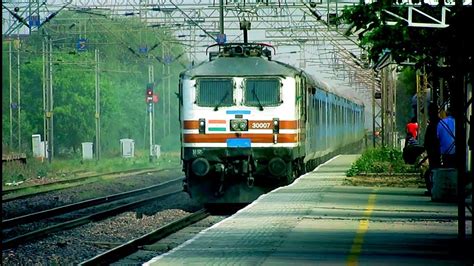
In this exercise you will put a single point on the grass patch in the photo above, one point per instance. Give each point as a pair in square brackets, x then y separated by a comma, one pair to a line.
[16, 172]
[380, 160]
[383, 167]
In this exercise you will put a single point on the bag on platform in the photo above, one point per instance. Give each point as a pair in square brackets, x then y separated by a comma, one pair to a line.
[411, 153]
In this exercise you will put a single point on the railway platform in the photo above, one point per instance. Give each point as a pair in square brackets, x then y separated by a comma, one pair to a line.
[319, 221]
[21, 157]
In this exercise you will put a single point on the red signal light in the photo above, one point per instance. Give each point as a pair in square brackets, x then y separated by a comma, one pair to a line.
[149, 92]
[149, 89]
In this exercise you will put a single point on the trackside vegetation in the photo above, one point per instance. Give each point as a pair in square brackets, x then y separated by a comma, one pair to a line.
[37, 172]
[380, 160]
[127, 51]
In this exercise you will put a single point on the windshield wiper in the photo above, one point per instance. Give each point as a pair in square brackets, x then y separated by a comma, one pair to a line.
[258, 100]
[221, 101]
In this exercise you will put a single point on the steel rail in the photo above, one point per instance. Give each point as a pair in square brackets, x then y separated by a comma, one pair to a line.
[27, 218]
[132, 246]
[15, 241]
[72, 181]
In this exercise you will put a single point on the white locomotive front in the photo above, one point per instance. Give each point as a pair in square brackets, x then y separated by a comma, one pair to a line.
[243, 124]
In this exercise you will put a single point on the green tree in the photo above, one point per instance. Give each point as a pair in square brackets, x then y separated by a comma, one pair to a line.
[123, 77]
[424, 46]
[406, 89]
[74, 102]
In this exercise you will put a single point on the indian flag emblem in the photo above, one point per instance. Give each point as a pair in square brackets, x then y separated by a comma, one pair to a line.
[216, 125]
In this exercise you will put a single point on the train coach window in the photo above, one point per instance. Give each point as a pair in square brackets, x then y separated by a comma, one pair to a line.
[262, 92]
[215, 92]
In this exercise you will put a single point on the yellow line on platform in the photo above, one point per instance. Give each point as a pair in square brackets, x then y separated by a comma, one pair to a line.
[356, 248]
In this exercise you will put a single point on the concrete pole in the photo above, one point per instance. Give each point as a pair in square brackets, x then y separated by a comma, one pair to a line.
[97, 106]
[169, 95]
[44, 98]
[394, 108]
[373, 111]
[18, 99]
[151, 114]
[383, 105]
[49, 113]
[11, 94]
[14, 96]
[163, 71]
[421, 86]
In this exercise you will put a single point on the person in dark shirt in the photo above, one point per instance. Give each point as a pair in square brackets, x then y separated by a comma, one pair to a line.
[412, 149]
[411, 133]
[431, 144]
[411, 140]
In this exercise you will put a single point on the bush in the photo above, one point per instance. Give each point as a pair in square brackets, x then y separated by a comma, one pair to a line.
[380, 160]
[14, 172]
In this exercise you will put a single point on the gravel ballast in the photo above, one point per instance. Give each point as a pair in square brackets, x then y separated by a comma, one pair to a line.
[81, 243]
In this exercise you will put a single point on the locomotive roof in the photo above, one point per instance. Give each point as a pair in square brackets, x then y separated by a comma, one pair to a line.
[252, 66]
[241, 66]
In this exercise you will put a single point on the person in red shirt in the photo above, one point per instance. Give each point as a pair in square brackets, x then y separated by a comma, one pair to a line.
[412, 128]
[412, 149]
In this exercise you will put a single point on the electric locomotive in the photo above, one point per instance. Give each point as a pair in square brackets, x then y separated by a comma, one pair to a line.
[250, 124]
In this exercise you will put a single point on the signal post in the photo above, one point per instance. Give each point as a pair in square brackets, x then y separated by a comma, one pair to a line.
[151, 99]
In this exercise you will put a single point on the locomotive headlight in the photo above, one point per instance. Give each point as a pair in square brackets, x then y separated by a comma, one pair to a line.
[234, 125]
[276, 125]
[202, 125]
[239, 125]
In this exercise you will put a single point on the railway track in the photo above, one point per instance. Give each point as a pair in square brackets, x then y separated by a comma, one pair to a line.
[156, 191]
[165, 238]
[26, 191]
[120, 252]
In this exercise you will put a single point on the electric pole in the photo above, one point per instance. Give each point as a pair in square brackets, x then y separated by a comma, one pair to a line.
[48, 97]
[150, 98]
[97, 106]
[15, 100]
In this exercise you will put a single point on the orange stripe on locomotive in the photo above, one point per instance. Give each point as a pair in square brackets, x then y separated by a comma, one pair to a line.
[253, 124]
[222, 138]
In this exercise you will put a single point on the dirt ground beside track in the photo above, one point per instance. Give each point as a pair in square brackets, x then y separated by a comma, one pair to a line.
[384, 180]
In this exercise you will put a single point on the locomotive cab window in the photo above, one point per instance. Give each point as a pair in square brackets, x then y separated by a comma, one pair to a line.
[215, 92]
[262, 92]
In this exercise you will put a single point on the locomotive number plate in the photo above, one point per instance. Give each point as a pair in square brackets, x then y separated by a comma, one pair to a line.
[260, 125]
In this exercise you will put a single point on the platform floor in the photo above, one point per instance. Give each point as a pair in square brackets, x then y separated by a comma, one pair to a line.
[318, 221]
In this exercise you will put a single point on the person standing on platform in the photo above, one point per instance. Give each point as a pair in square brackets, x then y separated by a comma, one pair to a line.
[446, 135]
[431, 144]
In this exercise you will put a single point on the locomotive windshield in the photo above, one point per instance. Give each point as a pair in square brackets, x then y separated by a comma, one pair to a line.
[215, 92]
[262, 92]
